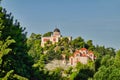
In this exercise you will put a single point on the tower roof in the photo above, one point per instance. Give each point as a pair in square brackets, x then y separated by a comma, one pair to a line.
[56, 30]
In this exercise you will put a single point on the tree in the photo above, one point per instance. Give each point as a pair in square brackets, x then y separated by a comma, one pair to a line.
[117, 59]
[14, 56]
[90, 45]
[4, 50]
[34, 48]
[109, 69]
[48, 34]
[82, 72]
[78, 43]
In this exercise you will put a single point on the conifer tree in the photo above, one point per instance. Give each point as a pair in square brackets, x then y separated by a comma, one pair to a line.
[13, 50]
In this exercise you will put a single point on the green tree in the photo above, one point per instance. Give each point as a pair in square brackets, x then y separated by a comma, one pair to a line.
[4, 50]
[117, 59]
[82, 72]
[78, 43]
[109, 69]
[48, 34]
[90, 45]
[15, 55]
[34, 48]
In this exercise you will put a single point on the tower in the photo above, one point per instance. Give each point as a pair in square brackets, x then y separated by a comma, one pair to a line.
[56, 32]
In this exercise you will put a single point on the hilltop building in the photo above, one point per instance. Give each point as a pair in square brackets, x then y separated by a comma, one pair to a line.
[82, 55]
[54, 38]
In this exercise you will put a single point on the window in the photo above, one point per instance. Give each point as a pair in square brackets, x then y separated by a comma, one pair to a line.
[45, 40]
[54, 39]
[77, 54]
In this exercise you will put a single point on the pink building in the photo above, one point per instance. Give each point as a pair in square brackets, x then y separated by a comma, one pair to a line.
[54, 38]
[82, 55]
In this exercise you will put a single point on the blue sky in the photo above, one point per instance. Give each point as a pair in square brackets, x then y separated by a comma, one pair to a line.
[98, 20]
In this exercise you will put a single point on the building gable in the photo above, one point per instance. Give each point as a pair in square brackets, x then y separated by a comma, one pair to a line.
[82, 55]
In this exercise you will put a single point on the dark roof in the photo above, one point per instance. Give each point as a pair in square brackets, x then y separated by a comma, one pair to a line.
[56, 30]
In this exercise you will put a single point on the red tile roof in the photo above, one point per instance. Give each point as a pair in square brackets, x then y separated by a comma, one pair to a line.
[83, 49]
[82, 55]
[90, 52]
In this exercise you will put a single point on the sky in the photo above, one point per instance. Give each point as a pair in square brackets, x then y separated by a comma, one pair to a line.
[96, 20]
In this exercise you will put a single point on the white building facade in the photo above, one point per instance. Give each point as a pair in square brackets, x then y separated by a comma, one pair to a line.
[54, 38]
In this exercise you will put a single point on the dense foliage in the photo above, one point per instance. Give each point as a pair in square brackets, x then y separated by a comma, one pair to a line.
[13, 49]
[23, 58]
